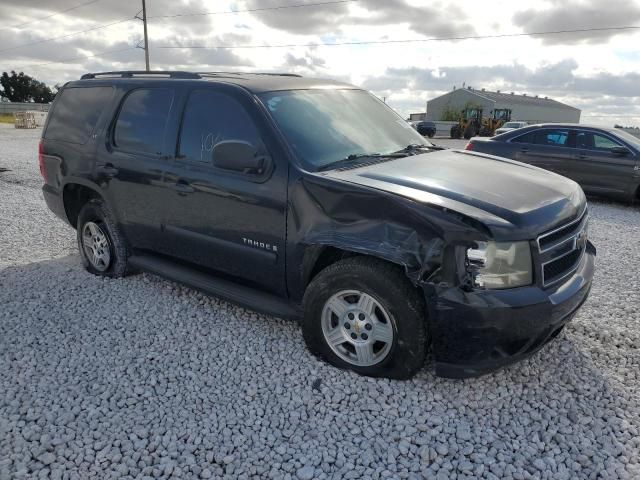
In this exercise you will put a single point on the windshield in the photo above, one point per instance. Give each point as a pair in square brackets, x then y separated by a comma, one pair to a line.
[629, 138]
[326, 126]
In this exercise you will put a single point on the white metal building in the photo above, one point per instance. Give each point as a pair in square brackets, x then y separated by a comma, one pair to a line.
[526, 108]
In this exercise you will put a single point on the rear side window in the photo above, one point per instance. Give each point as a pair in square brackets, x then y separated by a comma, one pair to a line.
[209, 118]
[76, 113]
[142, 120]
[554, 138]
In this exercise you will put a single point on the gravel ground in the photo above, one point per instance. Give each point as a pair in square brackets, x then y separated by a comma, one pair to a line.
[142, 378]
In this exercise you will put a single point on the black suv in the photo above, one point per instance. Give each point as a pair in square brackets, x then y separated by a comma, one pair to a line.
[426, 128]
[312, 199]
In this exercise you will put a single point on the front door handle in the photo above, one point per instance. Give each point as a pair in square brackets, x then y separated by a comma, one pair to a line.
[524, 149]
[108, 170]
[583, 156]
[183, 188]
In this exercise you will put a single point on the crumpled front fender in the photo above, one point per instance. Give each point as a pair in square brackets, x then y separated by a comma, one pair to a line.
[354, 218]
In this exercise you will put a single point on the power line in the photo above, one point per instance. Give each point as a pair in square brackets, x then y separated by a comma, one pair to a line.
[255, 10]
[412, 40]
[99, 27]
[68, 60]
[49, 16]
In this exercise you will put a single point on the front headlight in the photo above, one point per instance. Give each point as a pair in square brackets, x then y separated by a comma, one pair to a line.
[496, 265]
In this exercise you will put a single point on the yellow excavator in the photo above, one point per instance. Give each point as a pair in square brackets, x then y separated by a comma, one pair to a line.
[498, 117]
[469, 124]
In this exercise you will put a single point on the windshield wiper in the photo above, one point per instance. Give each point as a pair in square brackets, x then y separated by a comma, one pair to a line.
[414, 147]
[349, 160]
[354, 159]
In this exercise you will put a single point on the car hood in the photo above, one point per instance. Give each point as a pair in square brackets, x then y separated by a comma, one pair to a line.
[513, 200]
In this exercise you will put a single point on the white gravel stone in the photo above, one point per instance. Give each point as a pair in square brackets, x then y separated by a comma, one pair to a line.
[141, 377]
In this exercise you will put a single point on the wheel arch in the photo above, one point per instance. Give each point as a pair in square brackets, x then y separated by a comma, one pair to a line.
[74, 197]
[319, 257]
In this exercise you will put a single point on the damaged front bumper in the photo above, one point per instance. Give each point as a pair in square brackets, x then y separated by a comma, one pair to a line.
[477, 332]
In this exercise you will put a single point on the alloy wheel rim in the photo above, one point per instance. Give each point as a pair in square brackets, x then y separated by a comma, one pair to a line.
[96, 246]
[357, 328]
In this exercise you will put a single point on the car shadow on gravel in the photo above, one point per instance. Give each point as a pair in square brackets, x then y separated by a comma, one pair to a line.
[144, 365]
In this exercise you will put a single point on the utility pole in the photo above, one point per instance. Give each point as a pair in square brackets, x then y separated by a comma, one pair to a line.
[146, 37]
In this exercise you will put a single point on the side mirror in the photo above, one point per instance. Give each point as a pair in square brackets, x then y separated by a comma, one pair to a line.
[621, 151]
[239, 156]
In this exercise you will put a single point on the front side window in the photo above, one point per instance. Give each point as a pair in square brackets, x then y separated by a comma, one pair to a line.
[594, 141]
[324, 126]
[600, 142]
[142, 121]
[210, 118]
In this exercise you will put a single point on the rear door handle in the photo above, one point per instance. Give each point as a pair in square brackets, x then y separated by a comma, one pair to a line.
[524, 149]
[183, 188]
[108, 170]
[582, 156]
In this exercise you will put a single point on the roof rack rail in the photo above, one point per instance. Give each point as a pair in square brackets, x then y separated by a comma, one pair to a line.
[141, 73]
[275, 74]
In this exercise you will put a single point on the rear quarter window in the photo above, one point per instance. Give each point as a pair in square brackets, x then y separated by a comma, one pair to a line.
[76, 112]
[529, 137]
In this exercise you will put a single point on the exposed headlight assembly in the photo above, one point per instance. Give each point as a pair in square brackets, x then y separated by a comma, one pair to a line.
[497, 265]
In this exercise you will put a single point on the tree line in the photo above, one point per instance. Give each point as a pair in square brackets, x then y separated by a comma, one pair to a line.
[18, 87]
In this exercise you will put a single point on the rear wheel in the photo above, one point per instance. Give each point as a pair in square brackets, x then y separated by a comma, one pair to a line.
[363, 314]
[102, 247]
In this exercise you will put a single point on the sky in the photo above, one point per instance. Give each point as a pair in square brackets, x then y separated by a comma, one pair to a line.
[596, 71]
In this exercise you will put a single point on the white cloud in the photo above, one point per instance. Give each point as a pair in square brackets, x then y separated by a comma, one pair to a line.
[595, 72]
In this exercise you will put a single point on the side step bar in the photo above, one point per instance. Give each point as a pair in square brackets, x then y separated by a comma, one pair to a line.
[233, 292]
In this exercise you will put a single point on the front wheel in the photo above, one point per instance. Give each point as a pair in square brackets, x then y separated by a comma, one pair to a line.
[363, 314]
[470, 132]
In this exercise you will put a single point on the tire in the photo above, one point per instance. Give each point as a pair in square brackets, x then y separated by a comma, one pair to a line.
[469, 132]
[431, 134]
[379, 288]
[97, 227]
[455, 131]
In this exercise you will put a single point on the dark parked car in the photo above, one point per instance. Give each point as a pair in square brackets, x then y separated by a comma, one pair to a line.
[312, 199]
[425, 128]
[604, 161]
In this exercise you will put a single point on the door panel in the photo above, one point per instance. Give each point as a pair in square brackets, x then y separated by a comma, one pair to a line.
[599, 170]
[545, 148]
[226, 221]
[130, 166]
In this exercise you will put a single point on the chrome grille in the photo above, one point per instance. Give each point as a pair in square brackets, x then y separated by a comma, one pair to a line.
[561, 250]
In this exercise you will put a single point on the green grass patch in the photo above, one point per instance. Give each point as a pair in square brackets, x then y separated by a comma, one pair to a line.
[6, 118]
